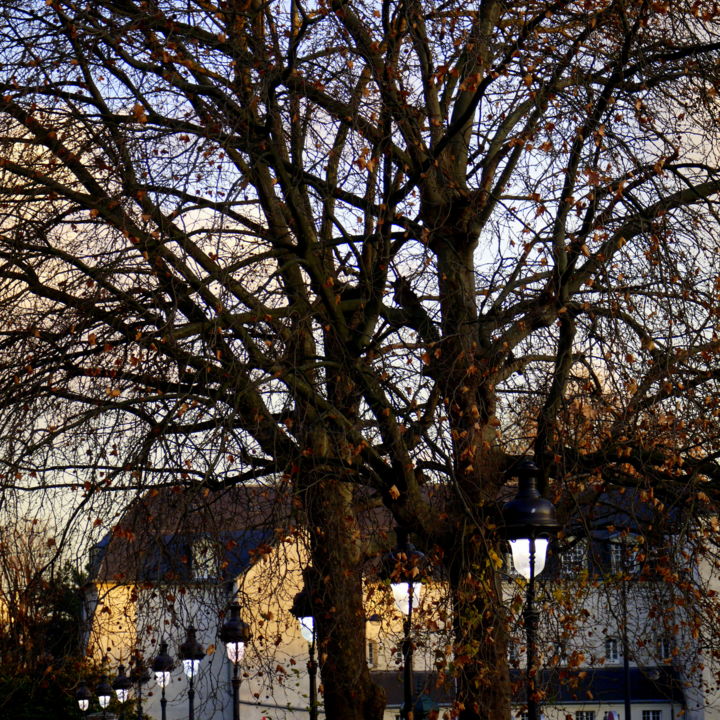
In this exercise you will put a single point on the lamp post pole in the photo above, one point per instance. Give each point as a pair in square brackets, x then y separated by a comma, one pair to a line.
[139, 676]
[191, 654]
[312, 679]
[407, 649]
[235, 634]
[303, 608]
[529, 521]
[162, 667]
[531, 620]
[404, 566]
[626, 645]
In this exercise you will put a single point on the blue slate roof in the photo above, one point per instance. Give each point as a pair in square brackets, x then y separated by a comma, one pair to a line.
[628, 509]
[170, 558]
[154, 541]
[605, 685]
[602, 686]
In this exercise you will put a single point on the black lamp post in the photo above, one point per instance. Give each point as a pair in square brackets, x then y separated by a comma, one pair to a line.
[121, 685]
[162, 667]
[529, 522]
[139, 676]
[235, 634]
[104, 692]
[191, 653]
[83, 697]
[303, 609]
[404, 566]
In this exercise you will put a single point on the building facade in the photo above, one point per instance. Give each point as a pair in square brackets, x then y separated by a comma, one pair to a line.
[614, 617]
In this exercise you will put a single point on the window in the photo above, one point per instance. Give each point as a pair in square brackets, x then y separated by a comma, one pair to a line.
[522, 716]
[612, 650]
[611, 715]
[574, 559]
[513, 654]
[372, 653]
[624, 556]
[664, 648]
[586, 715]
[205, 559]
[652, 715]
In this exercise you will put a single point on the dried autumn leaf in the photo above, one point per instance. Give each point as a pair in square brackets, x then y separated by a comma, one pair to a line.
[139, 113]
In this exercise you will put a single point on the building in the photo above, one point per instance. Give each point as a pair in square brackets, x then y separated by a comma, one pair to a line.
[178, 558]
[613, 624]
[616, 625]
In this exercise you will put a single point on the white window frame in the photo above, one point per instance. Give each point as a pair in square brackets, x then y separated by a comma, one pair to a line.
[585, 715]
[372, 653]
[665, 647]
[574, 560]
[613, 651]
[652, 715]
[623, 553]
[205, 559]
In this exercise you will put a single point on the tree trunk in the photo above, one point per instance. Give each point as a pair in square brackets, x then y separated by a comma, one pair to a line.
[349, 693]
[480, 633]
[467, 370]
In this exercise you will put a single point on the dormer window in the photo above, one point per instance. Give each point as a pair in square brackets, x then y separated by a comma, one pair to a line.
[574, 559]
[612, 650]
[205, 559]
[664, 647]
[624, 554]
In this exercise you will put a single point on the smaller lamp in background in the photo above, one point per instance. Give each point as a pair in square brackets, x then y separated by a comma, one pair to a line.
[83, 697]
[529, 522]
[122, 684]
[104, 693]
[139, 676]
[191, 653]
[162, 667]
[405, 567]
[303, 609]
[235, 634]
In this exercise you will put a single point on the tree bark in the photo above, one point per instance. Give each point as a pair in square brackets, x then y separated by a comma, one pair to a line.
[348, 690]
[481, 666]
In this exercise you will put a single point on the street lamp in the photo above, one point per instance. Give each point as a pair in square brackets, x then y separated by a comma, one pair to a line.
[235, 634]
[139, 676]
[404, 566]
[303, 609]
[121, 685]
[529, 521]
[191, 653]
[83, 697]
[104, 692]
[162, 667]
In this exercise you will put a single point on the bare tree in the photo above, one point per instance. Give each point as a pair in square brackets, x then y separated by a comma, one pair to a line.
[361, 247]
[39, 606]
